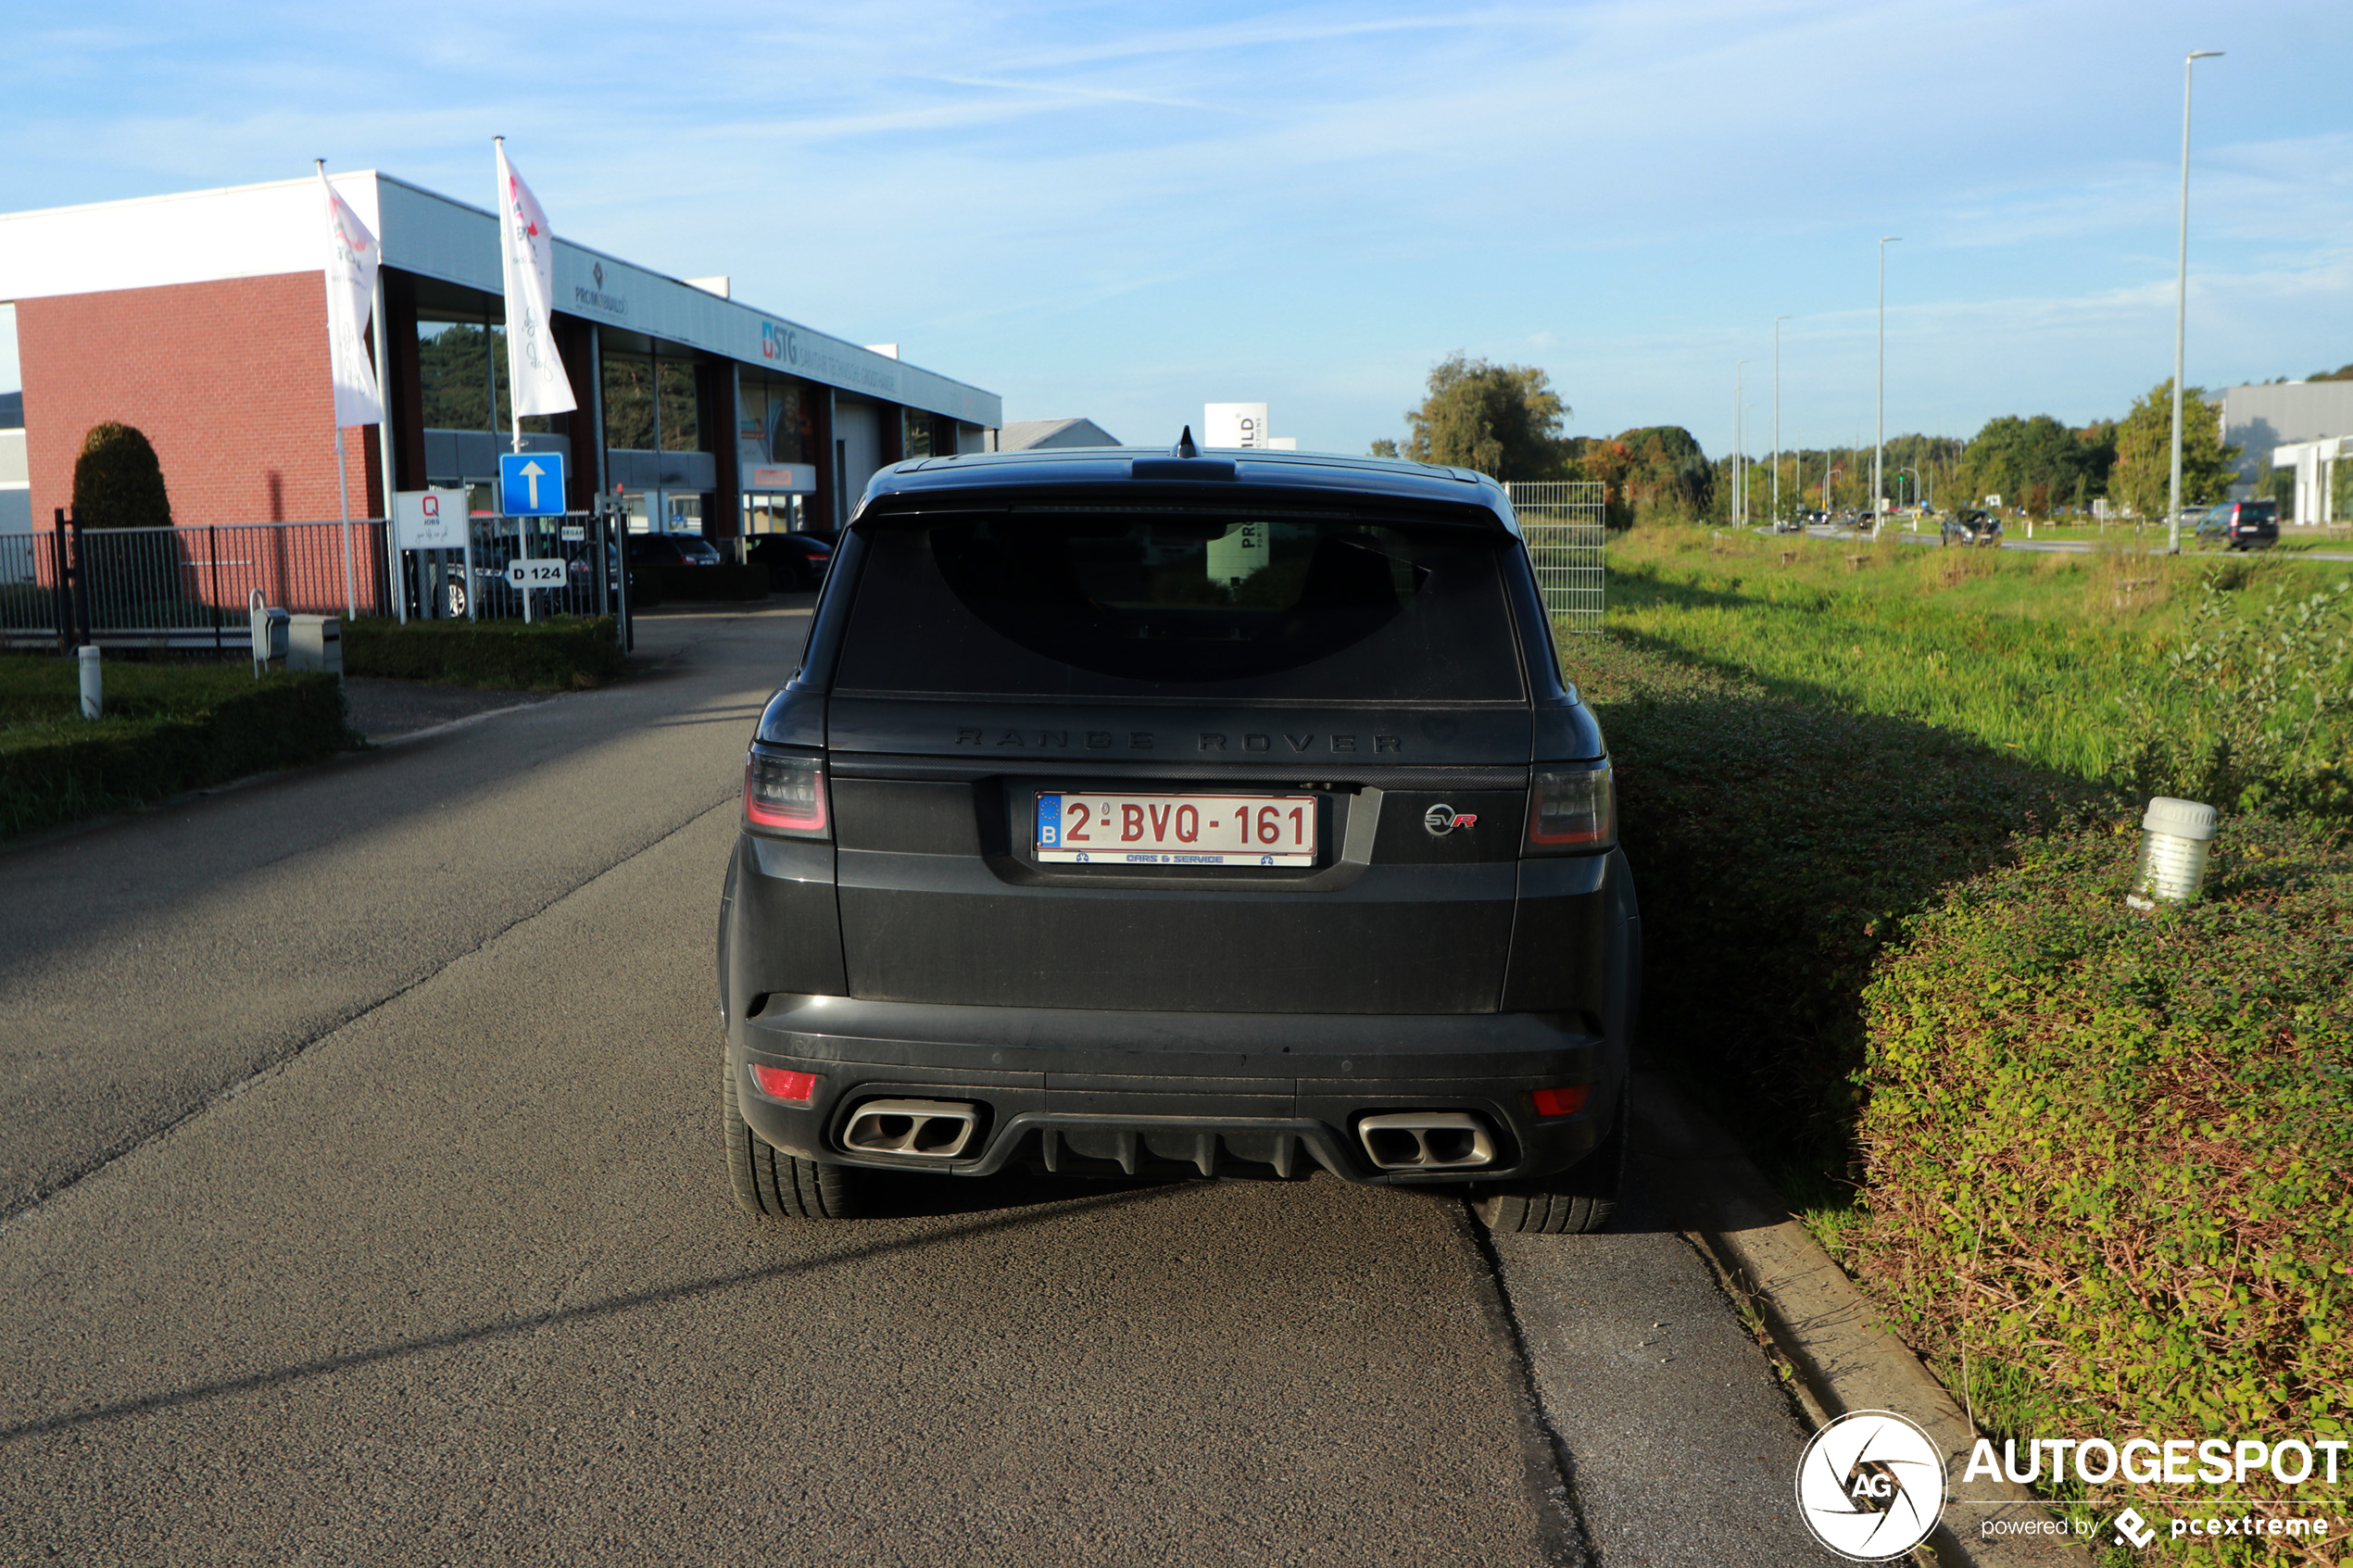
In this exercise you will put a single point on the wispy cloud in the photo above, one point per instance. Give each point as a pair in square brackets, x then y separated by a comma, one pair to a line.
[1097, 210]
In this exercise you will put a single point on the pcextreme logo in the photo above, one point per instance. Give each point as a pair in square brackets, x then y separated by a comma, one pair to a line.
[1870, 1485]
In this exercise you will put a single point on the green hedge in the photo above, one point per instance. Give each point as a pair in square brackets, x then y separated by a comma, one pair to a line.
[651, 585]
[2109, 1153]
[54, 769]
[564, 652]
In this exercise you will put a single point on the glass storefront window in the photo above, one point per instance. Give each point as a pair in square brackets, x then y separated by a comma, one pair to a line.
[677, 419]
[779, 419]
[629, 402]
[772, 514]
[462, 371]
[453, 371]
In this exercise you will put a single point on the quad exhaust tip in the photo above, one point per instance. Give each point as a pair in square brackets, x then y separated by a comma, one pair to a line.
[1427, 1140]
[927, 1129]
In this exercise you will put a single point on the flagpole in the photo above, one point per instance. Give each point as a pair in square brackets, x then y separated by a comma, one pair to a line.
[506, 269]
[343, 484]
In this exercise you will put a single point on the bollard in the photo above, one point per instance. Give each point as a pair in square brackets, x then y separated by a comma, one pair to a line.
[2176, 836]
[93, 694]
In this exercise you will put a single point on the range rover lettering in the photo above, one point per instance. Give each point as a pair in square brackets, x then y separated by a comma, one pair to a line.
[1161, 814]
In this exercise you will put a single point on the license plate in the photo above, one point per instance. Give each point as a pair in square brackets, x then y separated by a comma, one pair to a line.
[1177, 829]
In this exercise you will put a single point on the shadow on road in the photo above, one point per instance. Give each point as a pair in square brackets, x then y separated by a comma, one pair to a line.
[840, 1257]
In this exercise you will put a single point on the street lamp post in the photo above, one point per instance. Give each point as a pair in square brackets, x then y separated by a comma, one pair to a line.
[1739, 441]
[1879, 424]
[2182, 307]
[1777, 419]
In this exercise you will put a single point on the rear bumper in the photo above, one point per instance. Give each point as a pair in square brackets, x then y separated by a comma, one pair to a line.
[1103, 1092]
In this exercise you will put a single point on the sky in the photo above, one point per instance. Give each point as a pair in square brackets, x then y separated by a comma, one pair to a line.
[1123, 211]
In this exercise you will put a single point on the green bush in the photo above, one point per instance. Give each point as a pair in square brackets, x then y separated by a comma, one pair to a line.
[653, 585]
[2109, 1153]
[219, 725]
[117, 482]
[563, 652]
[2251, 710]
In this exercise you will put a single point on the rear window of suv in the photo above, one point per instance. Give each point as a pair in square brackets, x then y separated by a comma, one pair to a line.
[1113, 602]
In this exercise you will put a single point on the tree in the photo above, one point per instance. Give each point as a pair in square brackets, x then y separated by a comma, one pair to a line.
[2144, 451]
[1382, 447]
[117, 481]
[118, 484]
[1665, 466]
[2027, 462]
[1501, 420]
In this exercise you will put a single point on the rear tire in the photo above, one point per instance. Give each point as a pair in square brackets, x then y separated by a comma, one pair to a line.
[1577, 1201]
[776, 1185]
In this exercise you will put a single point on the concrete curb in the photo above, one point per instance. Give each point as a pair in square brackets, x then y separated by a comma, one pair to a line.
[1845, 1358]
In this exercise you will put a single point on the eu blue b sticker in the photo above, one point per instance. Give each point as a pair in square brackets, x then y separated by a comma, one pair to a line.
[1050, 820]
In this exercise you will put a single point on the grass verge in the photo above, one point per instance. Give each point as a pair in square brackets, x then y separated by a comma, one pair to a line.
[168, 729]
[2093, 1163]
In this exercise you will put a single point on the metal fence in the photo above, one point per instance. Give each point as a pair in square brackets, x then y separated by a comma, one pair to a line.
[1565, 530]
[434, 582]
[188, 587]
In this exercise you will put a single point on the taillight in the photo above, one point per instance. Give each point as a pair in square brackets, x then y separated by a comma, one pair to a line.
[778, 1083]
[1560, 1102]
[785, 792]
[1572, 811]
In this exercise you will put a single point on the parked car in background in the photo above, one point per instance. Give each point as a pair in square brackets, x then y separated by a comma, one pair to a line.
[1970, 527]
[795, 561]
[1163, 813]
[2242, 525]
[671, 549]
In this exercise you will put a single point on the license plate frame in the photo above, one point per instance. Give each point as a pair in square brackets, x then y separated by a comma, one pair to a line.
[1068, 828]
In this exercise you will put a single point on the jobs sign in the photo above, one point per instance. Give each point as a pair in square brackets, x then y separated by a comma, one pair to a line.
[429, 520]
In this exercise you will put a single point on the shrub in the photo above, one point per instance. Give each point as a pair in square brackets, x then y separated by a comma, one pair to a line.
[2250, 711]
[224, 725]
[563, 652]
[2109, 1153]
[117, 482]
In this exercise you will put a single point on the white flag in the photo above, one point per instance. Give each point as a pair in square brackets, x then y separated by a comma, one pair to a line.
[528, 257]
[352, 297]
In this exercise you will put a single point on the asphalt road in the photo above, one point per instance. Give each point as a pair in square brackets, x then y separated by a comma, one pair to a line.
[364, 1204]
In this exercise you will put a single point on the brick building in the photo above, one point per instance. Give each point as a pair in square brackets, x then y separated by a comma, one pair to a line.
[201, 318]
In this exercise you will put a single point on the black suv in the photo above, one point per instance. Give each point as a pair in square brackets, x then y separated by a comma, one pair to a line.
[2242, 525]
[1151, 813]
[1970, 527]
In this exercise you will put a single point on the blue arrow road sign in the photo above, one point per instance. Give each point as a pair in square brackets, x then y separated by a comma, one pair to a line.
[531, 483]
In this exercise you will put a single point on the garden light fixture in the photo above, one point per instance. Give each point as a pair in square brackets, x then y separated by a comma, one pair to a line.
[2175, 839]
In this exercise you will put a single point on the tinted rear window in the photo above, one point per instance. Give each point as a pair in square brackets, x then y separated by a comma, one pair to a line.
[1109, 604]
